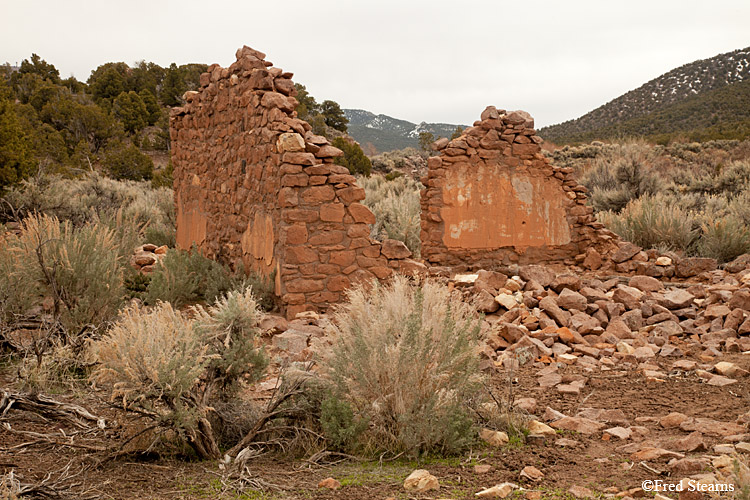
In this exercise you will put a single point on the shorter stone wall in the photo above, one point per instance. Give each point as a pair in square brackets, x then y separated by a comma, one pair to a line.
[492, 199]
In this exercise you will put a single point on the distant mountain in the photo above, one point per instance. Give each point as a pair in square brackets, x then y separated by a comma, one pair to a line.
[705, 94]
[387, 133]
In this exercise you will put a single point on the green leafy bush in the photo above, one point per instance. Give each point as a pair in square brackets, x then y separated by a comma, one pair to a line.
[183, 277]
[404, 362]
[172, 367]
[354, 158]
[128, 163]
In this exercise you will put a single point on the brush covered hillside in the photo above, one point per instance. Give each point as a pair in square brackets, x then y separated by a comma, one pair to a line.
[387, 134]
[704, 100]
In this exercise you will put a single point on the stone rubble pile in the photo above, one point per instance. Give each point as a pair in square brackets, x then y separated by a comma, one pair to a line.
[635, 321]
[145, 257]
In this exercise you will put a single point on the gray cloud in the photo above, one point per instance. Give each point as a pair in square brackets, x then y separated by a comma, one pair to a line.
[418, 60]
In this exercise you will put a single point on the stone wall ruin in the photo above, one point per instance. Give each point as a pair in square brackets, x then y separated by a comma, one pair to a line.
[493, 199]
[254, 185]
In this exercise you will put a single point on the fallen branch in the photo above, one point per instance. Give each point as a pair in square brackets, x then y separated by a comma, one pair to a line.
[46, 406]
[48, 439]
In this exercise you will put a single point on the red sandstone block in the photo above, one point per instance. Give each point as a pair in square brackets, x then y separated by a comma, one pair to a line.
[317, 194]
[300, 255]
[329, 269]
[333, 212]
[293, 298]
[296, 234]
[381, 272]
[318, 170]
[342, 258]
[361, 213]
[302, 285]
[338, 283]
[288, 168]
[359, 243]
[299, 158]
[324, 297]
[357, 230]
[288, 198]
[351, 194]
[299, 215]
[341, 178]
[327, 238]
[299, 180]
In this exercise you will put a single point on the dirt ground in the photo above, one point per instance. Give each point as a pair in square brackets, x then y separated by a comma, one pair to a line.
[593, 462]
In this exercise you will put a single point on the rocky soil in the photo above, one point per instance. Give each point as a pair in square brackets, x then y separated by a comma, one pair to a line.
[622, 378]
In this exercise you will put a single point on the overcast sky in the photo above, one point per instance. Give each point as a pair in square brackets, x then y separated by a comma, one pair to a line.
[435, 61]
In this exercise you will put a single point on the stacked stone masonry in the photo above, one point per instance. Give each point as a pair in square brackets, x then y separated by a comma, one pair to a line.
[254, 185]
[492, 199]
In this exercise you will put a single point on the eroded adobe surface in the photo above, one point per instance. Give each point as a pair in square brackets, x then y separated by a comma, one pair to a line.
[493, 199]
[254, 185]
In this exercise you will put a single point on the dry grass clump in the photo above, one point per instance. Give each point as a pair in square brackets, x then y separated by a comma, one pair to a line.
[171, 367]
[653, 222]
[402, 368]
[94, 198]
[76, 269]
[692, 197]
[396, 205]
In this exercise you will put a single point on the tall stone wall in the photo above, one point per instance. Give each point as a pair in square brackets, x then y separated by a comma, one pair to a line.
[254, 185]
[493, 199]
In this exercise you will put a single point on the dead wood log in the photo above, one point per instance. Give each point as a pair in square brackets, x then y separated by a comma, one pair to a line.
[48, 407]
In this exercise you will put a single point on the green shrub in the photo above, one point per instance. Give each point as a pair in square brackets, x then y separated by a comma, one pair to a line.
[172, 367]
[397, 209]
[623, 172]
[724, 239]
[651, 222]
[354, 158]
[183, 277]
[404, 362]
[128, 163]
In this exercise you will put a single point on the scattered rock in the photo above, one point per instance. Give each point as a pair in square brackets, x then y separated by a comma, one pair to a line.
[420, 481]
[578, 424]
[497, 491]
[539, 429]
[580, 492]
[493, 438]
[532, 473]
[329, 483]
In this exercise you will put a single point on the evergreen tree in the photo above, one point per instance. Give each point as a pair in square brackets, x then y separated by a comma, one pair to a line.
[333, 115]
[129, 163]
[172, 87]
[354, 158]
[425, 141]
[39, 66]
[106, 83]
[131, 110]
[152, 106]
[16, 153]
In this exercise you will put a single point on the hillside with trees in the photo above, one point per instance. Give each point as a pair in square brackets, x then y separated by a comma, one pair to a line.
[115, 121]
[706, 99]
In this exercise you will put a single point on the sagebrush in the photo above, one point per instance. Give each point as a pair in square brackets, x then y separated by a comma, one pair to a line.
[404, 361]
[171, 366]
